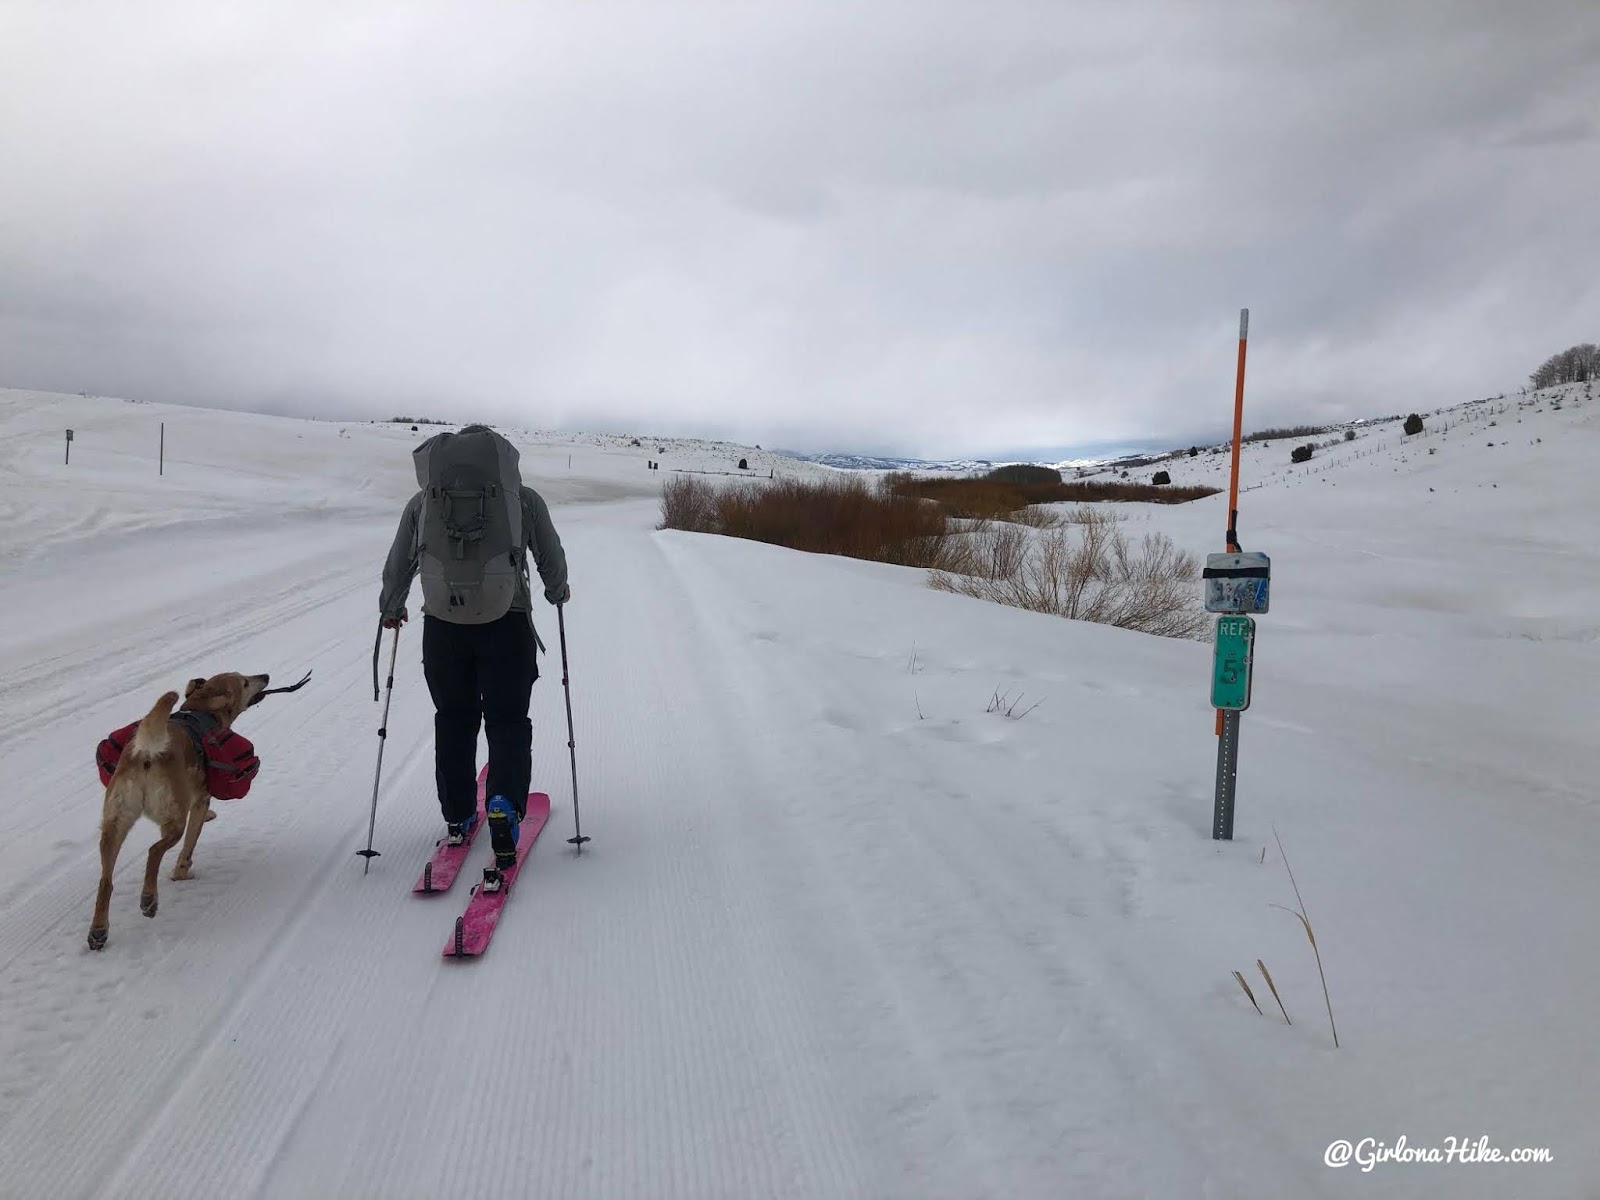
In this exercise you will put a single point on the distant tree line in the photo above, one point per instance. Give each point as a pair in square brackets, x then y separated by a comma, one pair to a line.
[1574, 365]
[1291, 431]
[1025, 473]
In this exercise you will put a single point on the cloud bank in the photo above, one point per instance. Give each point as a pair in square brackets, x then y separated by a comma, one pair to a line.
[933, 228]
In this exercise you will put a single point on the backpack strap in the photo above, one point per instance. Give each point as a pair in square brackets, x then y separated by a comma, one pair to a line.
[465, 524]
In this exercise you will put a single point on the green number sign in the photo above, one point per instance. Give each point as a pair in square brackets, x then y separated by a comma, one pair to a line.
[1230, 665]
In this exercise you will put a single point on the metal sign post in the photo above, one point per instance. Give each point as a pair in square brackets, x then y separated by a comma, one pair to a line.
[1236, 584]
[69, 448]
[1227, 778]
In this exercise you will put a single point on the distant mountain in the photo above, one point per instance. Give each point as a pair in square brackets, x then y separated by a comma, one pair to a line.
[872, 462]
[967, 466]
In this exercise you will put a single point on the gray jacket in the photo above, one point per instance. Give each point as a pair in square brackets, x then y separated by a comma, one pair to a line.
[406, 553]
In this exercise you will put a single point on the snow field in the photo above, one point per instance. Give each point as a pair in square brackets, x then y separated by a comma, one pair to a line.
[821, 945]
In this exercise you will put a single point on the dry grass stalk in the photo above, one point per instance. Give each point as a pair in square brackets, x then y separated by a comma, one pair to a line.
[1267, 975]
[1248, 992]
[1002, 703]
[1311, 936]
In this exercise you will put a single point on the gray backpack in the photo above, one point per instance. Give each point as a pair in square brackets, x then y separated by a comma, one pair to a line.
[470, 532]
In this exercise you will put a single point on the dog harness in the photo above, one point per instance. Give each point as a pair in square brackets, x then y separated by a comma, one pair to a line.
[229, 758]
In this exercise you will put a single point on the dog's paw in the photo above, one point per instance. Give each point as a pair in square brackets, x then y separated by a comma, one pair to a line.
[182, 872]
[97, 938]
[147, 905]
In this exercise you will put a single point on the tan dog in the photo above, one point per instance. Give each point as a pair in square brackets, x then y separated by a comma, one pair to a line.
[161, 776]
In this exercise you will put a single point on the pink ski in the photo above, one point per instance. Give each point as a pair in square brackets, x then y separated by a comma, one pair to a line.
[441, 870]
[475, 926]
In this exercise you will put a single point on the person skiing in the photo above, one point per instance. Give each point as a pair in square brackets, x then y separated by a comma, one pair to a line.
[468, 531]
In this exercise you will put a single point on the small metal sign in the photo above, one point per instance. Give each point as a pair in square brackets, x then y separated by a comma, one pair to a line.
[1231, 662]
[69, 435]
[1237, 583]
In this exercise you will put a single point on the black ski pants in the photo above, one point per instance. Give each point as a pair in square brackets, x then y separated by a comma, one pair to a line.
[480, 673]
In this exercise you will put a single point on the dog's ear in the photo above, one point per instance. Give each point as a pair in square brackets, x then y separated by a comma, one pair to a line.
[194, 686]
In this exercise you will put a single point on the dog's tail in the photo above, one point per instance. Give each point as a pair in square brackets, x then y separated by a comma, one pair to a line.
[152, 739]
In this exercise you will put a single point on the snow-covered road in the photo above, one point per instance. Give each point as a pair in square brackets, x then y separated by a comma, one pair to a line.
[840, 932]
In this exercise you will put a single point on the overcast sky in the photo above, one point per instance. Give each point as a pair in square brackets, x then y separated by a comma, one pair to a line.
[926, 227]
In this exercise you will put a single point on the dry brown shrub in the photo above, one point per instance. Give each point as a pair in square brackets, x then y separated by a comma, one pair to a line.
[688, 503]
[1036, 516]
[1093, 574]
[846, 516]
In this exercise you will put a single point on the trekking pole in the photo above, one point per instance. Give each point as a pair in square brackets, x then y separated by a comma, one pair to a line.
[383, 735]
[572, 746]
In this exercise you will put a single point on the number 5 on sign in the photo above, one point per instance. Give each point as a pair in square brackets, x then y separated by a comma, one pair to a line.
[1230, 664]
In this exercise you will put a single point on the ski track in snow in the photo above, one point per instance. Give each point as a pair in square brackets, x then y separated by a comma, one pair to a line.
[682, 1082]
[984, 892]
[796, 1021]
[257, 879]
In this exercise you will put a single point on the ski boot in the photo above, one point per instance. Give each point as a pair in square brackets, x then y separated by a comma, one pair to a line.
[504, 824]
[459, 833]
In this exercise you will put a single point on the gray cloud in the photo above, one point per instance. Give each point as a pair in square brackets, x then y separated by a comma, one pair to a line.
[935, 226]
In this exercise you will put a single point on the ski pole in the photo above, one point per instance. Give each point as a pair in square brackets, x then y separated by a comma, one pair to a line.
[383, 735]
[572, 746]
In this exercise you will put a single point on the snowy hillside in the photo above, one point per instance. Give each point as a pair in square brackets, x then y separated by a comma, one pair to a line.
[841, 931]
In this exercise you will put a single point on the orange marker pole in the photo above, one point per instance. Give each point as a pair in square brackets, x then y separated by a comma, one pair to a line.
[1238, 435]
[1238, 432]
